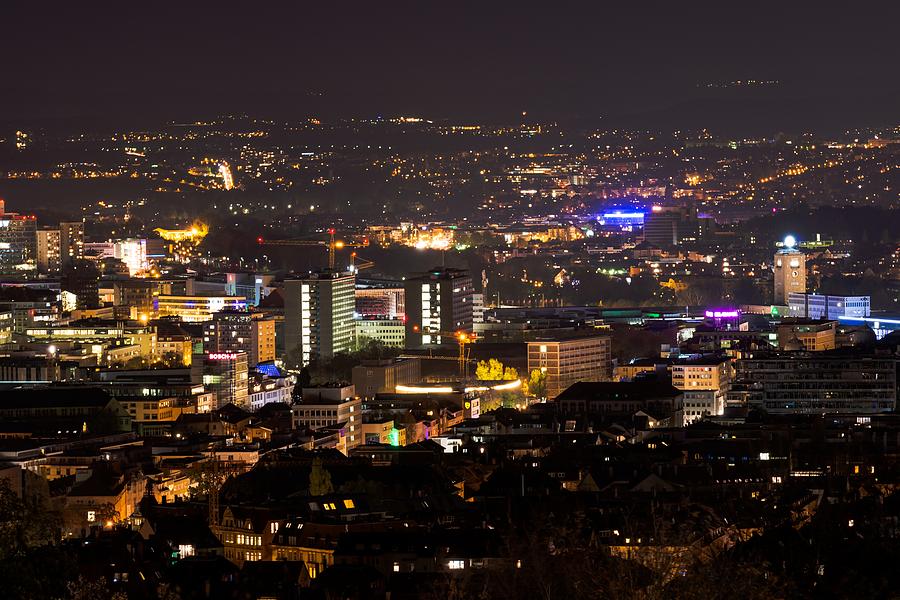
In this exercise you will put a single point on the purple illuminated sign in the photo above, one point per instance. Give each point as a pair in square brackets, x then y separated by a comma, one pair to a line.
[723, 314]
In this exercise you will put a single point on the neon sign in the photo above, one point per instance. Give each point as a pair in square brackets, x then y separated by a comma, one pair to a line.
[222, 356]
[723, 314]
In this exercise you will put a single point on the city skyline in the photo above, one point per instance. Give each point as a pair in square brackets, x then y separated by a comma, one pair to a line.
[433, 301]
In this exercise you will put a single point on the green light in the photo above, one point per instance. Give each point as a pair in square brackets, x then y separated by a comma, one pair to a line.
[394, 437]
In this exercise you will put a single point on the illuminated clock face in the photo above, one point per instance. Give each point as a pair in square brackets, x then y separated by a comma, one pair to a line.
[794, 273]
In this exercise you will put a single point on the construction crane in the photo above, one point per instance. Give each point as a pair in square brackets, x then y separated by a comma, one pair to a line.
[462, 337]
[332, 244]
[357, 263]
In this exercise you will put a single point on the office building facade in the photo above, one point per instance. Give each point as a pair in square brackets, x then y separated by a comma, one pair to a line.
[826, 306]
[438, 301]
[225, 374]
[241, 331]
[318, 315]
[817, 384]
[18, 242]
[71, 241]
[48, 254]
[568, 361]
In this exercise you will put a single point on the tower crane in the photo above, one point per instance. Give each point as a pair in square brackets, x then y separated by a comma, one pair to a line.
[462, 337]
[358, 263]
[331, 244]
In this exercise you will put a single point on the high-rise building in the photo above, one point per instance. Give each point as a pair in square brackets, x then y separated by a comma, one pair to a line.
[223, 373]
[18, 241]
[318, 314]
[666, 226]
[241, 331]
[790, 272]
[262, 339]
[71, 241]
[380, 298]
[82, 278]
[48, 254]
[568, 361]
[438, 301]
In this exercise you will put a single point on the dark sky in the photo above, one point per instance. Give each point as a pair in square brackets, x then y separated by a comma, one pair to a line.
[637, 61]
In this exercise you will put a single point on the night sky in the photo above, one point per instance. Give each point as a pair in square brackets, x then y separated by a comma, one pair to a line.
[630, 63]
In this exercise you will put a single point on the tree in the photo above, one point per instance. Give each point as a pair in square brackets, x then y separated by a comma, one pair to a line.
[537, 383]
[92, 589]
[23, 526]
[319, 479]
[293, 358]
[493, 370]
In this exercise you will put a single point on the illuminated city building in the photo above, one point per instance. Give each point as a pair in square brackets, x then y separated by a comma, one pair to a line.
[705, 383]
[183, 244]
[790, 272]
[807, 335]
[71, 241]
[18, 241]
[137, 296]
[568, 361]
[390, 332]
[173, 341]
[265, 389]
[110, 341]
[817, 383]
[253, 286]
[328, 407]
[49, 259]
[380, 298]
[826, 306]
[225, 174]
[132, 253]
[438, 303]
[241, 331]
[666, 226]
[82, 278]
[30, 307]
[197, 309]
[225, 374]
[318, 314]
